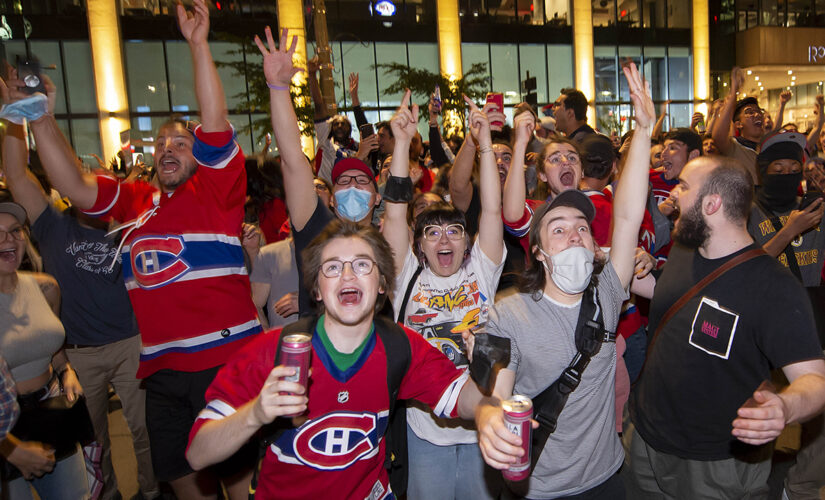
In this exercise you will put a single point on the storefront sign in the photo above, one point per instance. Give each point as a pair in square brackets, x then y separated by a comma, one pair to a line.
[815, 54]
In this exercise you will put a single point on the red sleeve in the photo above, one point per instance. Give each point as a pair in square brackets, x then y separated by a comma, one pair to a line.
[647, 233]
[432, 378]
[601, 225]
[121, 201]
[239, 381]
[425, 184]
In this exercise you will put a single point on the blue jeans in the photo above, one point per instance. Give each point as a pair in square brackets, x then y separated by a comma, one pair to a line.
[66, 482]
[445, 472]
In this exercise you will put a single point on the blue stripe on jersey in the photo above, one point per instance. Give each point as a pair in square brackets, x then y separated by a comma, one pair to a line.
[214, 156]
[198, 255]
[326, 359]
[203, 346]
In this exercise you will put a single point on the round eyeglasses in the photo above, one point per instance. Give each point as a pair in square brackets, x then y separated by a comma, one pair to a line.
[453, 232]
[334, 268]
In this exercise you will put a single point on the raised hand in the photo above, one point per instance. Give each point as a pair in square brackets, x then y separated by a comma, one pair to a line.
[819, 104]
[737, 79]
[643, 108]
[479, 124]
[495, 115]
[404, 121]
[194, 24]
[279, 397]
[353, 84]
[785, 96]
[278, 67]
[10, 88]
[524, 125]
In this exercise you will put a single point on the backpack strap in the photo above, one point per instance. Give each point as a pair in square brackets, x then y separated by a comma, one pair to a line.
[403, 309]
[590, 335]
[271, 432]
[399, 358]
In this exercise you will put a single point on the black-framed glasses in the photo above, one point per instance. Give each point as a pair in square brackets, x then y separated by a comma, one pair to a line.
[453, 231]
[346, 180]
[16, 234]
[334, 268]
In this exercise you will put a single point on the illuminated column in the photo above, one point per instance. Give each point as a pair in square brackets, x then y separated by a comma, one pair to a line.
[583, 53]
[291, 17]
[701, 56]
[449, 53]
[107, 61]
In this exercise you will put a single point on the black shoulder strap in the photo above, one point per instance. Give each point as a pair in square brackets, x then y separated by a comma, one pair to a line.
[590, 334]
[273, 431]
[401, 316]
[399, 358]
[790, 257]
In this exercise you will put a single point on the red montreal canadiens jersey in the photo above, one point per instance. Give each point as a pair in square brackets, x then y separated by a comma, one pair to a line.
[339, 451]
[183, 264]
[660, 186]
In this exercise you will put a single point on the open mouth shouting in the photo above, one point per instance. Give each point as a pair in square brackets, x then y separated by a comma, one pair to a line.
[9, 255]
[350, 296]
[445, 257]
[168, 165]
[567, 178]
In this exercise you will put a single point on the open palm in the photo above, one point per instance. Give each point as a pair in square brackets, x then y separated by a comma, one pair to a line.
[278, 67]
[194, 25]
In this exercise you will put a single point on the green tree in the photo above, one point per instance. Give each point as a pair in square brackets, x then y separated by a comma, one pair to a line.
[422, 82]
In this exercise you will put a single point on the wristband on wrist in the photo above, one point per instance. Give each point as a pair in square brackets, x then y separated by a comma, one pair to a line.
[486, 149]
[398, 189]
[277, 87]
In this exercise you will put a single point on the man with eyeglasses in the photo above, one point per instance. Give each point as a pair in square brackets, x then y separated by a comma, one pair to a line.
[747, 119]
[336, 446]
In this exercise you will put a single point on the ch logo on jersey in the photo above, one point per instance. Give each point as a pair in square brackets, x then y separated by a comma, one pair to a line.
[337, 440]
[156, 260]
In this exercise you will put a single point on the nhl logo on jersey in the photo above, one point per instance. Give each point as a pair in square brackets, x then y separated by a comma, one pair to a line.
[343, 397]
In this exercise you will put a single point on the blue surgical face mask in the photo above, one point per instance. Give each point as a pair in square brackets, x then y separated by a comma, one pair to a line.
[352, 203]
[30, 108]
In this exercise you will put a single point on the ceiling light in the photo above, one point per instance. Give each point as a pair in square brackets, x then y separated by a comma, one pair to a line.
[790, 71]
[757, 78]
[749, 72]
[793, 77]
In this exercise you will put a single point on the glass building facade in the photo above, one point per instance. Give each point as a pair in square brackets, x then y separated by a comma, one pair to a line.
[510, 37]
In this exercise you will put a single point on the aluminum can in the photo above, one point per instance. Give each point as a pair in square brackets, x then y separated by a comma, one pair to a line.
[296, 351]
[518, 411]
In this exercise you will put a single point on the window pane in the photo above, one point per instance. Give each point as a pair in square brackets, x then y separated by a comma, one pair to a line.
[532, 60]
[680, 77]
[359, 58]
[244, 138]
[628, 13]
[556, 12]
[505, 71]
[47, 53]
[655, 71]
[86, 140]
[233, 78]
[605, 73]
[146, 75]
[680, 115]
[635, 55]
[424, 55]
[472, 53]
[560, 62]
[604, 12]
[80, 77]
[679, 14]
[181, 78]
[143, 135]
[389, 53]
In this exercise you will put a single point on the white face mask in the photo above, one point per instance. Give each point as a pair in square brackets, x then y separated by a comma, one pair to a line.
[571, 270]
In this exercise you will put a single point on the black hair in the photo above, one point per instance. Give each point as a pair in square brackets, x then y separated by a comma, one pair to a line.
[686, 136]
[575, 100]
[385, 125]
[442, 214]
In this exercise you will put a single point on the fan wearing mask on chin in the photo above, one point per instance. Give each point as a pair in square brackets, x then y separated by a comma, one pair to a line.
[445, 285]
[569, 281]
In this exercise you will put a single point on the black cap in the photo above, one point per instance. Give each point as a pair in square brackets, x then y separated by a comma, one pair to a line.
[571, 198]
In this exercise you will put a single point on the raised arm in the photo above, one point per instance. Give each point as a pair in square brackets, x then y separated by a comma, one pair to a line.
[631, 192]
[779, 119]
[278, 69]
[657, 128]
[721, 126]
[436, 145]
[194, 26]
[515, 188]
[360, 116]
[395, 229]
[23, 185]
[461, 175]
[490, 227]
[813, 136]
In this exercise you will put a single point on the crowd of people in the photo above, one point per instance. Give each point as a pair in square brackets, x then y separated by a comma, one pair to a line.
[657, 296]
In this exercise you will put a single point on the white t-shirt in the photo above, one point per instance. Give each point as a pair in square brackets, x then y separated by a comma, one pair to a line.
[440, 308]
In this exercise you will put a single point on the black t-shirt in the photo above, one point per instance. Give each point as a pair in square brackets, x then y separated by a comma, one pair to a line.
[95, 307]
[316, 223]
[514, 260]
[714, 352]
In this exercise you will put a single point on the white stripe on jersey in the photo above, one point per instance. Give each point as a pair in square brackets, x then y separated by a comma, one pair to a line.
[216, 410]
[201, 339]
[449, 399]
[109, 207]
[131, 283]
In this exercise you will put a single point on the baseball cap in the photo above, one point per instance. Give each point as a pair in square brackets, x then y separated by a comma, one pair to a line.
[15, 210]
[597, 149]
[345, 164]
[780, 145]
[548, 123]
[571, 198]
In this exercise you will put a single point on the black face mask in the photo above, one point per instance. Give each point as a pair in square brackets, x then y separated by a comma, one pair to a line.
[778, 192]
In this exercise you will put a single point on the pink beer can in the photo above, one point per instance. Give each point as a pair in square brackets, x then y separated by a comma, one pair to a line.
[296, 352]
[518, 411]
